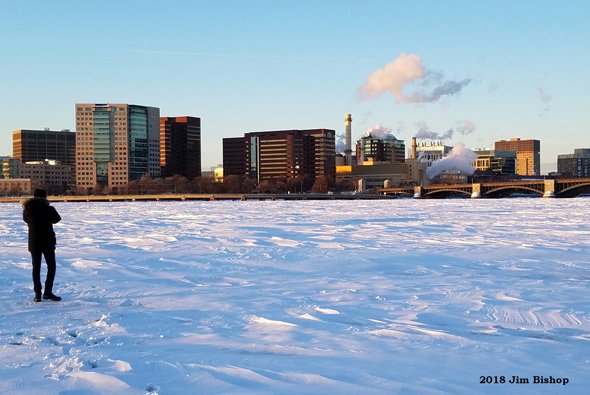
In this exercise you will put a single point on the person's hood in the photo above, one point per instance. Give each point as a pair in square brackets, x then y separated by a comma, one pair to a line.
[36, 201]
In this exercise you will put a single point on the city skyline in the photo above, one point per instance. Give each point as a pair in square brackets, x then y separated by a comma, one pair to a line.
[467, 73]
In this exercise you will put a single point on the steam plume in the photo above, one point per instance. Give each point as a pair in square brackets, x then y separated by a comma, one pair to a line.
[460, 158]
[400, 73]
[379, 132]
[463, 127]
[340, 143]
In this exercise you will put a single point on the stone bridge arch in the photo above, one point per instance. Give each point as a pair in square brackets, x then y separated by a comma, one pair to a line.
[574, 190]
[447, 192]
[500, 192]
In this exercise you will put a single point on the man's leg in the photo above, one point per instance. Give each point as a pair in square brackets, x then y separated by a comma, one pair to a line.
[36, 258]
[50, 260]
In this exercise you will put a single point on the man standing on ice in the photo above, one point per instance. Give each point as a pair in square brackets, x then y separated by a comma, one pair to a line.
[40, 217]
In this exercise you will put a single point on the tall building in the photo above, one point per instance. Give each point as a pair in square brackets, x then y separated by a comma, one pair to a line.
[576, 164]
[281, 155]
[386, 150]
[528, 155]
[234, 156]
[39, 145]
[180, 146]
[115, 144]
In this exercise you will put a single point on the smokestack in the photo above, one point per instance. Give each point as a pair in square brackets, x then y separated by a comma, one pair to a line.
[348, 134]
[414, 148]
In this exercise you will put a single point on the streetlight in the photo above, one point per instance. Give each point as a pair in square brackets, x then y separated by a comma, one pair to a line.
[300, 179]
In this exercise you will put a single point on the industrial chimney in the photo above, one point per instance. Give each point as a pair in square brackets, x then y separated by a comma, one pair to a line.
[414, 148]
[348, 135]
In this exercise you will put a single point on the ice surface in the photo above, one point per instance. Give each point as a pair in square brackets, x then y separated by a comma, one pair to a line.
[318, 297]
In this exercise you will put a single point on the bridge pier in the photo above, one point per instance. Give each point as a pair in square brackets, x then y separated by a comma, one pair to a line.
[549, 189]
[417, 192]
[475, 191]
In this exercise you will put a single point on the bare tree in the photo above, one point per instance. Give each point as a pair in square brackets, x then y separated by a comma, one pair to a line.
[320, 185]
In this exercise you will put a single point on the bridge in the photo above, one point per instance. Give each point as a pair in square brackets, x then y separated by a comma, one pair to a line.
[548, 188]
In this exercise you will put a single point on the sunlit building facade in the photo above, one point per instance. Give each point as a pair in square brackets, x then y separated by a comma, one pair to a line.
[386, 150]
[576, 164]
[431, 150]
[115, 144]
[282, 155]
[528, 155]
[497, 162]
[51, 175]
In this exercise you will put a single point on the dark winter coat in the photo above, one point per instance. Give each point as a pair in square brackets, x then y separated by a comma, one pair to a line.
[40, 217]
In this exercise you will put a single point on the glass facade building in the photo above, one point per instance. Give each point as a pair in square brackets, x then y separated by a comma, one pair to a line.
[114, 145]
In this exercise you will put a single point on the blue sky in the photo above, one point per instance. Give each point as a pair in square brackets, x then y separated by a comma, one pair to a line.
[263, 65]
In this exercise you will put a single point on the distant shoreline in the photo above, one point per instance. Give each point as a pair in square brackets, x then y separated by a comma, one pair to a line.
[205, 197]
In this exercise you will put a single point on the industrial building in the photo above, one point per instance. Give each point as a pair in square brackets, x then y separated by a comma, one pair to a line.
[528, 155]
[431, 150]
[380, 162]
[574, 165]
[115, 144]
[180, 146]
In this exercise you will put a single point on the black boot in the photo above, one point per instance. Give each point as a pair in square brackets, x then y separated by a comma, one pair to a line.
[37, 297]
[51, 296]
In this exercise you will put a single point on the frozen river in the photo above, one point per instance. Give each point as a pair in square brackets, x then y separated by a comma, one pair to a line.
[372, 297]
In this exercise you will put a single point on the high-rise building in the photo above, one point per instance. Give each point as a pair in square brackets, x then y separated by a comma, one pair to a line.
[234, 156]
[115, 144]
[528, 155]
[180, 146]
[576, 164]
[39, 145]
[386, 150]
[281, 155]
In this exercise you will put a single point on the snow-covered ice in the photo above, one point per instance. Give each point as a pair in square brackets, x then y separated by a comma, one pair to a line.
[288, 297]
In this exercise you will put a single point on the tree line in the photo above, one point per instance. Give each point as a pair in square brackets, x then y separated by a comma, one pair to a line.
[230, 184]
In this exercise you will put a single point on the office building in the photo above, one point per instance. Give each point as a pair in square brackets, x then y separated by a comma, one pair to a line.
[234, 156]
[384, 150]
[574, 165]
[180, 146]
[496, 162]
[282, 155]
[10, 167]
[528, 155]
[39, 145]
[115, 144]
[51, 175]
